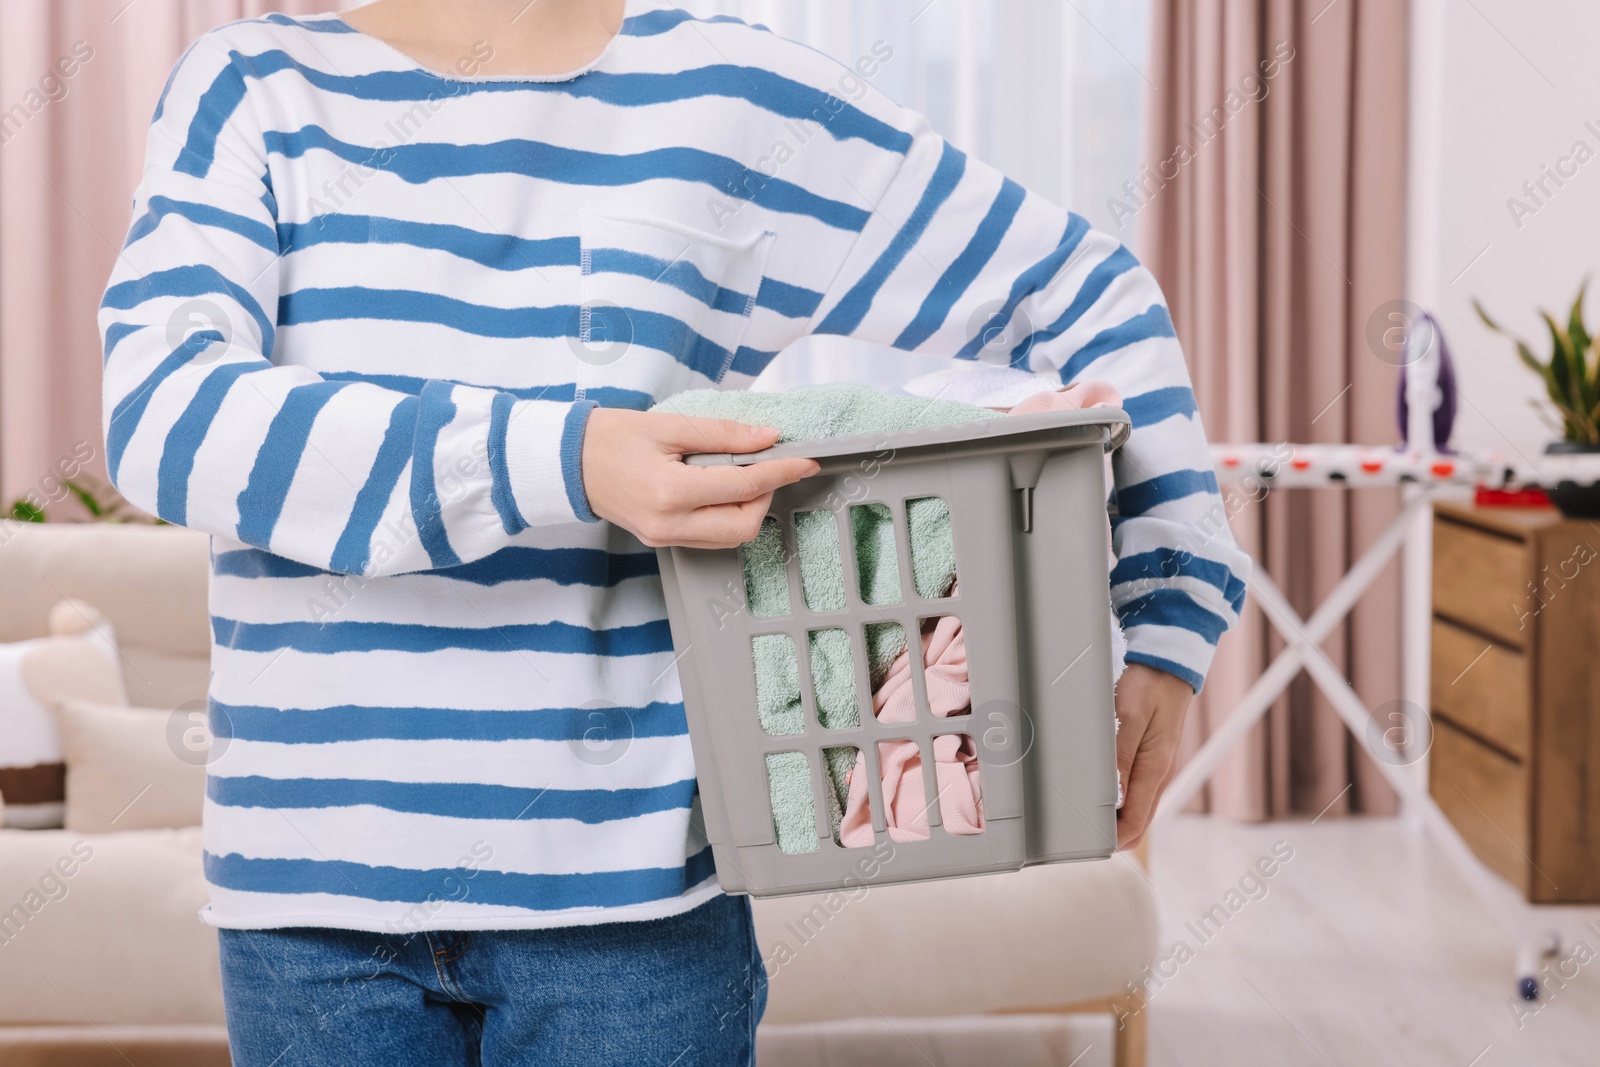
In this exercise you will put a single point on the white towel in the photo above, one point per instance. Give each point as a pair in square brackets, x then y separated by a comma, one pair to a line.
[984, 384]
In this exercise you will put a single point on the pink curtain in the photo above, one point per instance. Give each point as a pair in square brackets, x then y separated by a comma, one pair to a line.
[78, 82]
[1280, 130]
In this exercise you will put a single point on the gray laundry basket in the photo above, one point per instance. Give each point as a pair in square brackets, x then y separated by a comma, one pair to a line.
[1027, 500]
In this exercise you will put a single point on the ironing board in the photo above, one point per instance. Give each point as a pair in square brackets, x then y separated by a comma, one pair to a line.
[1422, 474]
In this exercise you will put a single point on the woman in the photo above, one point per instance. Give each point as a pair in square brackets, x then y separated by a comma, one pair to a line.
[398, 291]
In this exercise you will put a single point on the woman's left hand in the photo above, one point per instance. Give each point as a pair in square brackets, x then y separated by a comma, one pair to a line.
[1151, 705]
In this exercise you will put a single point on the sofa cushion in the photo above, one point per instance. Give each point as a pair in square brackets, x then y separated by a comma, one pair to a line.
[127, 770]
[158, 679]
[105, 928]
[33, 676]
[1039, 938]
[150, 581]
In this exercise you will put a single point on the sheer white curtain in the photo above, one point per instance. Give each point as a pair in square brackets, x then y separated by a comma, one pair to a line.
[1049, 91]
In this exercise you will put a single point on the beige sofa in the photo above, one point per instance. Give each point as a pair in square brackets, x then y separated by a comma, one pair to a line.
[115, 968]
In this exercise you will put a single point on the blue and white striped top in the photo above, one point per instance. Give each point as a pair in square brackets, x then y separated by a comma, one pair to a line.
[361, 315]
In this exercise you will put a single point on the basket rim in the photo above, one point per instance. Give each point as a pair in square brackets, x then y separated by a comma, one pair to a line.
[1109, 427]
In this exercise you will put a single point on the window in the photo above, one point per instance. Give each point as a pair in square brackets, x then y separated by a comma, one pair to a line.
[1051, 93]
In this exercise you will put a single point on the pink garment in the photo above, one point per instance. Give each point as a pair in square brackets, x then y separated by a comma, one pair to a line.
[955, 756]
[1090, 393]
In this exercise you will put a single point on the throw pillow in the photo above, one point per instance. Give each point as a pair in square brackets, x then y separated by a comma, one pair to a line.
[122, 771]
[79, 661]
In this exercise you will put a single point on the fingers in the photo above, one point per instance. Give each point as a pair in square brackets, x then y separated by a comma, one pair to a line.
[1152, 705]
[635, 477]
[1133, 721]
[730, 525]
[1127, 745]
[1150, 771]
[706, 486]
[713, 507]
[728, 503]
[716, 526]
[688, 433]
[1155, 807]
[1135, 815]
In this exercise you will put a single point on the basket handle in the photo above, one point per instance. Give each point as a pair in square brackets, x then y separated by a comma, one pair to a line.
[1107, 428]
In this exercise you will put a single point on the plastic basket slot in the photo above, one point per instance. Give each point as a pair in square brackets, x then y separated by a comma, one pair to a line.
[910, 507]
[846, 758]
[875, 515]
[754, 555]
[817, 559]
[843, 709]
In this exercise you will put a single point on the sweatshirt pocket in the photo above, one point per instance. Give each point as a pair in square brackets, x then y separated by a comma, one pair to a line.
[664, 307]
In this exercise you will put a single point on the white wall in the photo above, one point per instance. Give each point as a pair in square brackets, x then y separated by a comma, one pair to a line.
[1516, 83]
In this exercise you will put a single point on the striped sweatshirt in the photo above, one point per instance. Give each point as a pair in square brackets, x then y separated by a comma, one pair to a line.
[361, 316]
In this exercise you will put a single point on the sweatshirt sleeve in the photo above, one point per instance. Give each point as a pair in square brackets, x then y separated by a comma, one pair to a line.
[957, 260]
[206, 428]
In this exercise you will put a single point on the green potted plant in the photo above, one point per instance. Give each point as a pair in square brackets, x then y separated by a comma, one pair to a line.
[99, 500]
[1571, 379]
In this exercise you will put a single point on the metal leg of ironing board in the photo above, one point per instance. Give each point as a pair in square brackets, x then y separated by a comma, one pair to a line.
[1498, 897]
[1203, 764]
[1302, 653]
[1288, 663]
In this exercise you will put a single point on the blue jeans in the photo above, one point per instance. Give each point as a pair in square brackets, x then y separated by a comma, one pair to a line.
[678, 991]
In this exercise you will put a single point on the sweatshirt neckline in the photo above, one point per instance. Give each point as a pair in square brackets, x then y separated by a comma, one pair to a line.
[628, 11]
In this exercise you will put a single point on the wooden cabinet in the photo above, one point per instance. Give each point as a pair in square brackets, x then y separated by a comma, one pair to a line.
[1515, 761]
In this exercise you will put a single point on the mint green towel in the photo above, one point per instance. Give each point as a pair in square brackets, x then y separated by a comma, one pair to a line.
[809, 414]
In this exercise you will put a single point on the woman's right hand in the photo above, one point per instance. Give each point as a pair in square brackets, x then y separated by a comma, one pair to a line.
[634, 475]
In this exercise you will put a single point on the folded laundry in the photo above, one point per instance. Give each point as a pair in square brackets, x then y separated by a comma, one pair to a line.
[1090, 393]
[955, 756]
[814, 413]
[989, 385]
[949, 693]
[807, 414]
